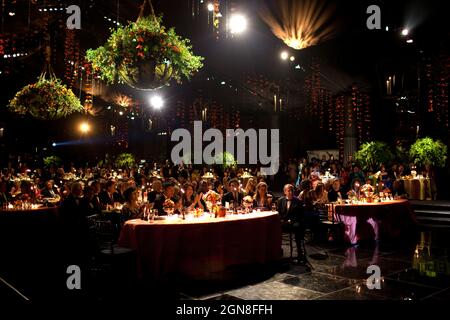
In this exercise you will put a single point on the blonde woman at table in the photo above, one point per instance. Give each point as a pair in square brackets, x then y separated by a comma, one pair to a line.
[131, 209]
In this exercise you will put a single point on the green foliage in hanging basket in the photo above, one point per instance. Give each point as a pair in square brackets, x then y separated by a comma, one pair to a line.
[47, 99]
[427, 151]
[125, 160]
[372, 154]
[144, 55]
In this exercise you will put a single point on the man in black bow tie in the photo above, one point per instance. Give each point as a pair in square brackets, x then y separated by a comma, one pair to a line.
[291, 214]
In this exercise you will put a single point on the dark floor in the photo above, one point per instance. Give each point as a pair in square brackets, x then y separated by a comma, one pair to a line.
[338, 272]
[416, 271]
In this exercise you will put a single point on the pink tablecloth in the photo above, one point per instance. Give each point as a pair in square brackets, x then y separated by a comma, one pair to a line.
[199, 248]
[393, 219]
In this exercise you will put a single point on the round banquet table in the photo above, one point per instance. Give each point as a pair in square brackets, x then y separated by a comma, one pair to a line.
[26, 234]
[395, 218]
[197, 248]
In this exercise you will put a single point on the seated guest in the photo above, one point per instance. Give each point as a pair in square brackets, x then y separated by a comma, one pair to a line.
[218, 188]
[261, 198]
[107, 196]
[49, 191]
[305, 187]
[291, 213]
[96, 187]
[336, 191]
[4, 196]
[250, 188]
[119, 193]
[131, 209]
[75, 228]
[319, 195]
[27, 192]
[190, 199]
[398, 190]
[73, 200]
[156, 190]
[165, 200]
[235, 195]
[87, 203]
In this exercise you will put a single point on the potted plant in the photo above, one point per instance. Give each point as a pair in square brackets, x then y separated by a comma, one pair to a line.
[428, 152]
[125, 160]
[52, 161]
[145, 55]
[372, 154]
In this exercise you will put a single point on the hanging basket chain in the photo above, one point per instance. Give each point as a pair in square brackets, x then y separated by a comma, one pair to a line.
[143, 7]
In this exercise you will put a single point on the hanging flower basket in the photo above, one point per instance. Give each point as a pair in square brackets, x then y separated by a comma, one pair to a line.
[47, 99]
[144, 55]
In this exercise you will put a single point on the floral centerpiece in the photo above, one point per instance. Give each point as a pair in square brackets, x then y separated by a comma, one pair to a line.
[247, 202]
[211, 199]
[169, 206]
[144, 55]
[368, 192]
[47, 99]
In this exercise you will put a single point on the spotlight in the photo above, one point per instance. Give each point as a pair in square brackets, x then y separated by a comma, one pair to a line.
[156, 102]
[238, 23]
[210, 7]
[405, 32]
[292, 58]
[409, 41]
[284, 55]
[85, 127]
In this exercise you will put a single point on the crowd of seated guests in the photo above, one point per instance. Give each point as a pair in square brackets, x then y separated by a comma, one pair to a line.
[85, 192]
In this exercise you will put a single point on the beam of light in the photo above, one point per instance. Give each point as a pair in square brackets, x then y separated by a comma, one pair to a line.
[300, 24]
[91, 140]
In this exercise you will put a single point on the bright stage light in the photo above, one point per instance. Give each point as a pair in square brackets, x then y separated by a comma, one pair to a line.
[85, 127]
[156, 102]
[238, 23]
[405, 32]
[292, 58]
[210, 7]
[284, 55]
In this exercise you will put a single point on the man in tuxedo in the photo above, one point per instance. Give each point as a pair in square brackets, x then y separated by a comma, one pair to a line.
[156, 190]
[107, 196]
[234, 193]
[168, 193]
[291, 214]
[48, 191]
